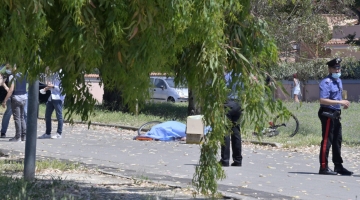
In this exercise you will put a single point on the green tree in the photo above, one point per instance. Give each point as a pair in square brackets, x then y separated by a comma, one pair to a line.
[127, 40]
[302, 22]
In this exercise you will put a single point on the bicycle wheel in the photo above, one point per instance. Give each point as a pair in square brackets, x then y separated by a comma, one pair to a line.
[288, 126]
[147, 126]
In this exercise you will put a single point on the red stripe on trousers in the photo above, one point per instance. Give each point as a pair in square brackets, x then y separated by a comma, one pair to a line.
[326, 137]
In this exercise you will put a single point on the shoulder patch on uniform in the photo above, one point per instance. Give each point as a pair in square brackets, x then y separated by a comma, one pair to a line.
[327, 80]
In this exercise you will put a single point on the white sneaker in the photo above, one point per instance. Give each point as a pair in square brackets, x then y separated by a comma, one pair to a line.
[57, 136]
[44, 136]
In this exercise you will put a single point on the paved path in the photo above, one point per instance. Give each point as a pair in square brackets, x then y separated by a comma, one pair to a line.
[266, 174]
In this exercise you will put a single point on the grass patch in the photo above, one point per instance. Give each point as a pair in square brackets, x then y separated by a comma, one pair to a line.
[17, 165]
[17, 188]
[310, 126]
[13, 186]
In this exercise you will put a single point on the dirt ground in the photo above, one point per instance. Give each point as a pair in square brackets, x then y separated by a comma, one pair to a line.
[91, 184]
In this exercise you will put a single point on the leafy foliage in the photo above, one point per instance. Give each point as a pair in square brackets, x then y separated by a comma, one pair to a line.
[127, 40]
[294, 22]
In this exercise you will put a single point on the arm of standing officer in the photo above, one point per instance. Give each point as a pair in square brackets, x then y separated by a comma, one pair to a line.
[329, 102]
[5, 87]
[8, 95]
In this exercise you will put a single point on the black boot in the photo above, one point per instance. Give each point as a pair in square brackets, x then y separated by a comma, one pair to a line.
[327, 171]
[236, 164]
[224, 164]
[341, 170]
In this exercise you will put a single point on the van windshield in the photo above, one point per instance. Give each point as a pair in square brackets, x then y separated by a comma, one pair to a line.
[171, 83]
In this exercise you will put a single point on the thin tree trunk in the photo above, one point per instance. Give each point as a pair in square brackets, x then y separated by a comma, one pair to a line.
[193, 107]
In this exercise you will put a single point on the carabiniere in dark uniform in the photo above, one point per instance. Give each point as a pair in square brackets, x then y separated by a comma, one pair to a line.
[330, 114]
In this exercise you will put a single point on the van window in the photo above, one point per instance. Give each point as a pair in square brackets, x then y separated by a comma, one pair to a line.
[171, 83]
[159, 82]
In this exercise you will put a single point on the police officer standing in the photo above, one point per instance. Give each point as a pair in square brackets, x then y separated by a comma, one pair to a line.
[233, 114]
[329, 114]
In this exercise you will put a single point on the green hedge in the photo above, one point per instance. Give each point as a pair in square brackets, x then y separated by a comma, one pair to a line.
[316, 69]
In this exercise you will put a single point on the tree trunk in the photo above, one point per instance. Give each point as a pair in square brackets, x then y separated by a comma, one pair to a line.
[193, 107]
[112, 100]
[303, 91]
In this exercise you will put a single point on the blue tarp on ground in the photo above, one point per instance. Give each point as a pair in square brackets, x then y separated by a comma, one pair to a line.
[167, 131]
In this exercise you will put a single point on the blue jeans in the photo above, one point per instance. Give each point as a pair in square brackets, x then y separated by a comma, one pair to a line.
[7, 115]
[52, 105]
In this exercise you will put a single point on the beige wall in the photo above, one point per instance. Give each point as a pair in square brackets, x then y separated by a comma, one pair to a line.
[343, 50]
[310, 90]
[95, 89]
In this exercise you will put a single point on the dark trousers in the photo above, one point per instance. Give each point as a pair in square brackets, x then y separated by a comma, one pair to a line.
[233, 114]
[331, 137]
[18, 110]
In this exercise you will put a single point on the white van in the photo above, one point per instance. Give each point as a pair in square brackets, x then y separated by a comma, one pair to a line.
[164, 90]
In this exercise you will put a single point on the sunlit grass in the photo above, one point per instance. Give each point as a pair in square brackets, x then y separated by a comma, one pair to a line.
[17, 165]
[19, 189]
[14, 187]
[310, 126]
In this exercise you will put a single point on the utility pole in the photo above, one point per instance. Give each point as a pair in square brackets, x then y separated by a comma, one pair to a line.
[31, 131]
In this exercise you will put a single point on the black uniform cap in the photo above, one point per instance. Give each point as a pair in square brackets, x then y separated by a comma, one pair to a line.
[334, 63]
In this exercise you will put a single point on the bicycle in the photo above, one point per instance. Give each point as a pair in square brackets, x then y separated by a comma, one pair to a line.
[282, 125]
[146, 127]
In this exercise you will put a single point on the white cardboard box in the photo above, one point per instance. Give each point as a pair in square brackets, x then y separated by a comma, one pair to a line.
[194, 129]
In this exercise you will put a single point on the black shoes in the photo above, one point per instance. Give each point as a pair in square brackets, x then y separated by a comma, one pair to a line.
[235, 164]
[342, 171]
[339, 169]
[223, 164]
[327, 171]
[3, 135]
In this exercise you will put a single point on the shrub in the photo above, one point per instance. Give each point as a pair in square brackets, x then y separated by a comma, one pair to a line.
[316, 69]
